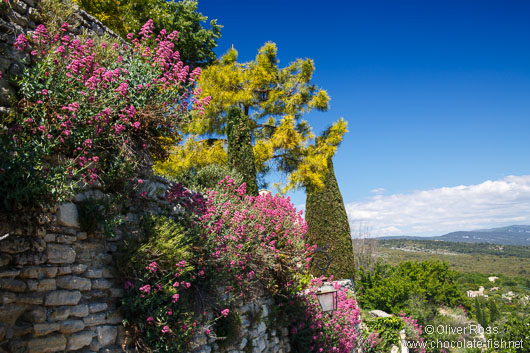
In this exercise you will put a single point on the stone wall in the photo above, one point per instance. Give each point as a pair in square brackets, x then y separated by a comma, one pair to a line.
[59, 287]
[255, 336]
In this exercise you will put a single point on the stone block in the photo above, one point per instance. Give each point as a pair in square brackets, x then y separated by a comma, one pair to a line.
[45, 328]
[79, 340]
[64, 270]
[94, 273]
[7, 297]
[101, 284]
[60, 254]
[95, 319]
[12, 273]
[64, 312]
[62, 297]
[66, 239]
[71, 326]
[48, 344]
[36, 315]
[50, 272]
[43, 285]
[10, 313]
[74, 282]
[67, 215]
[13, 285]
[107, 335]
[97, 307]
[30, 298]
[79, 269]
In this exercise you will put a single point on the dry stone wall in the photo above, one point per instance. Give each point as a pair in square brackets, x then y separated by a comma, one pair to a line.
[60, 288]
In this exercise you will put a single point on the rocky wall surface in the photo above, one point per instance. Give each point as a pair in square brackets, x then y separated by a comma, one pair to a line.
[256, 334]
[60, 288]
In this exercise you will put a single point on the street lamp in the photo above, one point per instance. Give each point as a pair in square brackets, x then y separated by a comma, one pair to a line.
[327, 294]
[327, 297]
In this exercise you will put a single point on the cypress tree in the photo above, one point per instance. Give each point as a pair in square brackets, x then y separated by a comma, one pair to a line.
[240, 152]
[328, 224]
[494, 311]
[478, 312]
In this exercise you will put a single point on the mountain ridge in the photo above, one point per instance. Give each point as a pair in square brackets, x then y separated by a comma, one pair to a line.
[509, 235]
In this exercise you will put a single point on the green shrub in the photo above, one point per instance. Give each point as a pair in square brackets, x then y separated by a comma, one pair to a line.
[166, 241]
[388, 329]
[389, 288]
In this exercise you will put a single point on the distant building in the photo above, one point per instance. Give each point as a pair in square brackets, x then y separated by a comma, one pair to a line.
[476, 293]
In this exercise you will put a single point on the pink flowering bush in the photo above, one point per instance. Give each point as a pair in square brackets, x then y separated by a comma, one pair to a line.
[93, 110]
[413, 332]
[256, 241]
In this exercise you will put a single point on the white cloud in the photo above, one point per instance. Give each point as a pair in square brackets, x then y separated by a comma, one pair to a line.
[439, 211]
[378, 190]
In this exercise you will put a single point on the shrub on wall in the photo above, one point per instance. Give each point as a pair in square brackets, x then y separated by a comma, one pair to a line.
[225, 247]
[91, 110]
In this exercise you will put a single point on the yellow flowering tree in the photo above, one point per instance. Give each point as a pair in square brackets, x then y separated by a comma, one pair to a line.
[272, 101]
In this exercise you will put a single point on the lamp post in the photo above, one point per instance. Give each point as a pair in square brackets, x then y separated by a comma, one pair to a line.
[327, 294]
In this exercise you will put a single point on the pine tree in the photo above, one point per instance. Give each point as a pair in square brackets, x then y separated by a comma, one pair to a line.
[240, 153]
[328, 224]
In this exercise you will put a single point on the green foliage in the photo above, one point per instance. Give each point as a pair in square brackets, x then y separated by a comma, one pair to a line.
[240, 153]
[494, 311]
[167, 242]
[328, 224]
[389, 288]
[204, 178]
[388, 329]
[515, 329]
[196, 42]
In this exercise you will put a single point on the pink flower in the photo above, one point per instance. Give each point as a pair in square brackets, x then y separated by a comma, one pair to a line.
[128, 285]
[153, 266]
[146, 289]
[165, 329]
[225, 312]
[150, 320]
[175, 297]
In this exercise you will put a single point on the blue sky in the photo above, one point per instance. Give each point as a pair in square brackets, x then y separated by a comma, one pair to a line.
[436, 93]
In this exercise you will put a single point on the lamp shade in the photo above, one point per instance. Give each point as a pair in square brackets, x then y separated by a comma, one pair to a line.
[327, 296]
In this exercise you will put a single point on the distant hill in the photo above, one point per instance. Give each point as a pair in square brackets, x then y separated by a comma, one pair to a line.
[511, 235]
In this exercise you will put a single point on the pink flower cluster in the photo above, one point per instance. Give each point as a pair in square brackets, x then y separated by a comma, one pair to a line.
[414, 332]
[253, 239]
[88, 106]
